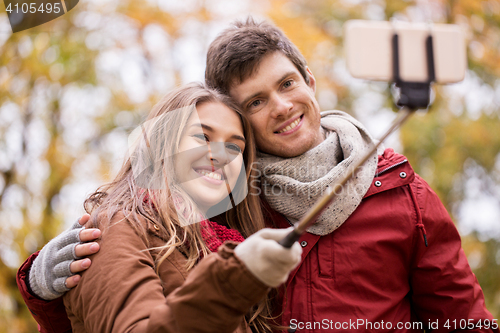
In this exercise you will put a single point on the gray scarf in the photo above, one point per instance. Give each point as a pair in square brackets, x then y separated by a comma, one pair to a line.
[292, 185]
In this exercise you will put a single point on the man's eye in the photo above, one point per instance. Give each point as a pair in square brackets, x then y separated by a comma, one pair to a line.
[234, 148]
[202, 137]
[255, 103]
[287, 83]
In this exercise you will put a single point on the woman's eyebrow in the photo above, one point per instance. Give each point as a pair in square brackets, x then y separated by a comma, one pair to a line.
[238, 137]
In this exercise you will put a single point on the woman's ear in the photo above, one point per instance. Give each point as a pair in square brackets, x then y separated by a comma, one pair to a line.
[312, 80]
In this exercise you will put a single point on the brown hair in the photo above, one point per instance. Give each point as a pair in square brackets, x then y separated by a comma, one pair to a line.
[236, 53]
[138, 198]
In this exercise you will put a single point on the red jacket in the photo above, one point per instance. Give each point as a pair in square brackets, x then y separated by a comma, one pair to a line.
[50, 316]
[372, 273]
[376, 271]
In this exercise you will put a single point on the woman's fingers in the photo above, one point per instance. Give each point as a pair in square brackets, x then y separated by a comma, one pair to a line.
[72, 281]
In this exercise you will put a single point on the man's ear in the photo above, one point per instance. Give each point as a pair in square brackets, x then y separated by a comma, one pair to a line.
[312, 80]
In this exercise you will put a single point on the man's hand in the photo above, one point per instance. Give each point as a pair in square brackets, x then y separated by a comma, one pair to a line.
[53, 271]
[83, 250]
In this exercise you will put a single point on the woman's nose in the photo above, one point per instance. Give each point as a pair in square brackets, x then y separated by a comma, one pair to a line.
[217, 153]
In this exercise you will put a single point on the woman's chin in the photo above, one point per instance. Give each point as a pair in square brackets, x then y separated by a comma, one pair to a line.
[216, 208]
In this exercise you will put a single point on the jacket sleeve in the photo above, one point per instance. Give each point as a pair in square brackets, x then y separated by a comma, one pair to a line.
[50, 315]
[444, 289]
[121, 291]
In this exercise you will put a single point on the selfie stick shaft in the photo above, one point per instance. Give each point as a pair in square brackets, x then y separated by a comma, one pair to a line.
[324, 201]
[229, 192]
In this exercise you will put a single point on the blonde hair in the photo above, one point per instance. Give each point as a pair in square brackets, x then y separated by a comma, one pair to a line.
[147, 192]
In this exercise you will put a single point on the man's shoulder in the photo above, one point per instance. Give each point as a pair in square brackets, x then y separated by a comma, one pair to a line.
[393, 170]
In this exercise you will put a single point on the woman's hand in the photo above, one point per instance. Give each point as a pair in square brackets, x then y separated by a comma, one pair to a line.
[266, 259]
[54, 270]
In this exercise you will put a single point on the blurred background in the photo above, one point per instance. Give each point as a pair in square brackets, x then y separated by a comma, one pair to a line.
[72, 89]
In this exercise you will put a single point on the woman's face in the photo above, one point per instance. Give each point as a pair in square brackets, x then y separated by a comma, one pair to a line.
[209, 158]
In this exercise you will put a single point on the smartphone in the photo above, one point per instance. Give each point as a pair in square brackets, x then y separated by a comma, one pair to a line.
[368, 47]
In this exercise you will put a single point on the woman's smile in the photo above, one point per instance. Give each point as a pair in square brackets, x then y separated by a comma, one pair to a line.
[210, 174]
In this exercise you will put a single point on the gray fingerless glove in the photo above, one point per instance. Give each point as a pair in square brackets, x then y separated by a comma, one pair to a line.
[50, 269]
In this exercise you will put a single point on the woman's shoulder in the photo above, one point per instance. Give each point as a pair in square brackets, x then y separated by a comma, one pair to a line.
[129, 223]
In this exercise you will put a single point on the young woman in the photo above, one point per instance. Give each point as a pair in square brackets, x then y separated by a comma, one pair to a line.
[158, 269]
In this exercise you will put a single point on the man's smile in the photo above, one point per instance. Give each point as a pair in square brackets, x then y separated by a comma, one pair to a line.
[288, 126]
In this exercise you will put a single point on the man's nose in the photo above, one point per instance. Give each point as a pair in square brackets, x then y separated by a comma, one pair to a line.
[280, 105]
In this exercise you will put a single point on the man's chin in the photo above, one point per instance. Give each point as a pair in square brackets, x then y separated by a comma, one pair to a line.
[291, 148]
[293, 145]
[287, 151]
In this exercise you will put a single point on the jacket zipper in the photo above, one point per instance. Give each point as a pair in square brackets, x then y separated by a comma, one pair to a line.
[390, 167]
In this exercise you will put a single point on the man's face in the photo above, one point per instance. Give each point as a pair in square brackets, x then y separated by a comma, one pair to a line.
[281, 107]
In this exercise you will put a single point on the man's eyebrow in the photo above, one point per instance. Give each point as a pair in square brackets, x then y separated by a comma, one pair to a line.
[290, 73]
[258, 93]
[210, 129]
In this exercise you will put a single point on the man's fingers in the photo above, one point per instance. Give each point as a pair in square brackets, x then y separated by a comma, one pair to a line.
[84, 219]
[87, 235]
[84, 250]
[78, 266]
[72, 281]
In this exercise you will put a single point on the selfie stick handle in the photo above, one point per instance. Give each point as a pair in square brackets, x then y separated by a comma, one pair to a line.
[413, 95]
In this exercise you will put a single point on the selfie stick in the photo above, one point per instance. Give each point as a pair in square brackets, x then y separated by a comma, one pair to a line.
[413, 96]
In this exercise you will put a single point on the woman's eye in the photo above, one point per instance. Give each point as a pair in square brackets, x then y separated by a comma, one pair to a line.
[234, 148]
[201, 136]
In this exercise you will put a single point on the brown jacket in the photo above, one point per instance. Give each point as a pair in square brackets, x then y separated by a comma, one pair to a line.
[121, 292]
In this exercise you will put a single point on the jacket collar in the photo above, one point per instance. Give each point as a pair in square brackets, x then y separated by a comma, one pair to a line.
[393, 170]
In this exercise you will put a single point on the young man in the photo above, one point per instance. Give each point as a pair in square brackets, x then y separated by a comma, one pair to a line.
[385, 256]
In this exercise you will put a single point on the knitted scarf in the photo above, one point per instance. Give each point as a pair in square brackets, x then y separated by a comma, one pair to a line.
[292, 185]
[215, 234]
